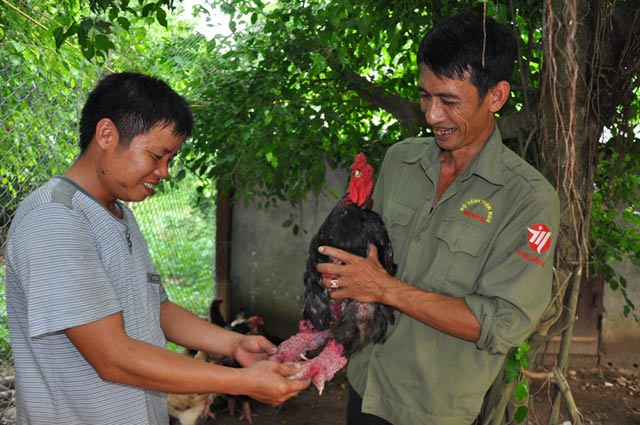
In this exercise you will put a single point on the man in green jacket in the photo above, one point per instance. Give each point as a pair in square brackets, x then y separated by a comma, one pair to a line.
[473, 228]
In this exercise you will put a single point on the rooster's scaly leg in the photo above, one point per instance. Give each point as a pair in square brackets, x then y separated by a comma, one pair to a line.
[324, 366]
[307, 338]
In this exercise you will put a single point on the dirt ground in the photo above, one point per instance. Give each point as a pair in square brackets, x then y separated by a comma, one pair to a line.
[603, 397]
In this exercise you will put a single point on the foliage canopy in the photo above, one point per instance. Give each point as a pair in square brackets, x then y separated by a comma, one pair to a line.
[295, 87]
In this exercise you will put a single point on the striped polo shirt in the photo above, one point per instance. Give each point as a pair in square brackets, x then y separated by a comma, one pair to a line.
[71, 262]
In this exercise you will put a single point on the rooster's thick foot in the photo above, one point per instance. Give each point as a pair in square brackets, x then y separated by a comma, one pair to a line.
[247, 414]
[324, 366]
[307, 339]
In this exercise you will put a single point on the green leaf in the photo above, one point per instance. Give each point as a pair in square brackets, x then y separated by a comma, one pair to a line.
[102, 43]
[86, 24]
[113, 13]
[623, 282]
[181, 174]
[521, 392]
[512, 369]
[521, 414]
[161, 16]
[124, 23]
[522, 350]
[270, 157]
[148, 9]
[88, 51]
[59, 36]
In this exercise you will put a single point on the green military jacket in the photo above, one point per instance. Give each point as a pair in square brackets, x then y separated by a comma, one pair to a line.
[489, 240]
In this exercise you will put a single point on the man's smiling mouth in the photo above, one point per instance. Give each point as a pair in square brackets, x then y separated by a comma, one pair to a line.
[443, 132]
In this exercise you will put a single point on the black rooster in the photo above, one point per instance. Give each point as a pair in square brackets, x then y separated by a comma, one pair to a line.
[347, 325]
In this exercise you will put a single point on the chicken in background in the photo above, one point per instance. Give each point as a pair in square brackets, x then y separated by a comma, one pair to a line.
[192, 409]
[252, 325]
[341, 327]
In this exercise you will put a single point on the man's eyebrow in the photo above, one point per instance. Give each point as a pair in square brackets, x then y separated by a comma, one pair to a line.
[167, 150]
[445, 95]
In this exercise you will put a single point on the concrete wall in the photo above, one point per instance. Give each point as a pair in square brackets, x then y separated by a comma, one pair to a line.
[620, 335]
[268, 261]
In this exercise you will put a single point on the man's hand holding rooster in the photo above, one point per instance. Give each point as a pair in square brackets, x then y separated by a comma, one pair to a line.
[253, 348]
[355, 277]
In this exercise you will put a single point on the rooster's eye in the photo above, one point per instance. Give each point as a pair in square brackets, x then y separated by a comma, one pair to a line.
[357, 173]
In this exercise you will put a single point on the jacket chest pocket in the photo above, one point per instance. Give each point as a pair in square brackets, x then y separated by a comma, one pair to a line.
[462, 249]
[397, 217]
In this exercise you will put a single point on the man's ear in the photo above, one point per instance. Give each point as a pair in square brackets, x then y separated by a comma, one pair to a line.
[106, 134]
[498, 95]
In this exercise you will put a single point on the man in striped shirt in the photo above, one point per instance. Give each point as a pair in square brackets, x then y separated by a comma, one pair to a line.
[88, 315]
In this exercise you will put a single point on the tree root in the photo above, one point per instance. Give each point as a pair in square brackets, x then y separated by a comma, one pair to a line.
[557, 377]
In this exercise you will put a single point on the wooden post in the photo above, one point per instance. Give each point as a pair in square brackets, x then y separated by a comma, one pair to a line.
[224, 210]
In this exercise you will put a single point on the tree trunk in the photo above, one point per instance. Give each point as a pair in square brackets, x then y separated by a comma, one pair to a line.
[570, 136]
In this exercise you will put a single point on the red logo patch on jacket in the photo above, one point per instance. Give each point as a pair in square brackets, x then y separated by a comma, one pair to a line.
[539, 238]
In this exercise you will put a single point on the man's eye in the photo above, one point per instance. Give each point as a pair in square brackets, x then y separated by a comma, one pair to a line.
[448, 103]
[156, 156]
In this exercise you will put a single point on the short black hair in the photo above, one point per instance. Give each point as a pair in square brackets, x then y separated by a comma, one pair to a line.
[457, 45]
[136, 103]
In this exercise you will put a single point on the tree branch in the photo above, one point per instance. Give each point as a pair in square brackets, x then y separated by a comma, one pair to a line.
[405, 111]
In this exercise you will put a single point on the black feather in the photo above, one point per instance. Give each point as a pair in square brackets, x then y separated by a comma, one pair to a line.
[351, 229]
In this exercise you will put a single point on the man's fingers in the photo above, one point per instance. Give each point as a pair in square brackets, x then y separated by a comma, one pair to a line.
[373, 252]
[336, 253]
[288, 369]
[267, 346]
[300, 384]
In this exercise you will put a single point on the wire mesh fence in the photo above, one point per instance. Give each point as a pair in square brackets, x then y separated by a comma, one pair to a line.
[39, 115]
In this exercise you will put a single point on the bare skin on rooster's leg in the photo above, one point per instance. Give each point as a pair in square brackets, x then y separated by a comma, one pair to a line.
[324, 366]
[209, 413]
[246, 413]
[294, 348]
[245, 410]
[232, 405]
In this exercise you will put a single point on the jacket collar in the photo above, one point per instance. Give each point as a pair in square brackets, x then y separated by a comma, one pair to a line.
[485, 165]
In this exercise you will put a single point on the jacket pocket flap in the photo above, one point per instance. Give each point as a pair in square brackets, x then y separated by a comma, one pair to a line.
[463, 237]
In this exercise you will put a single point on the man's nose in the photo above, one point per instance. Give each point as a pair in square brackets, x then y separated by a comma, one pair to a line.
[163, 170]
[433, 111]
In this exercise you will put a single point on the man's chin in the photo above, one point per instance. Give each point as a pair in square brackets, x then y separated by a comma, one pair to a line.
[136, 198]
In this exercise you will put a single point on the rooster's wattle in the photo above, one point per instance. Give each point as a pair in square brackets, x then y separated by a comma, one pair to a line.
[341, 326]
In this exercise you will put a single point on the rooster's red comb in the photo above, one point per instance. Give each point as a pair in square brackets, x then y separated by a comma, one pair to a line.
[360, 161]
[361, 181]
